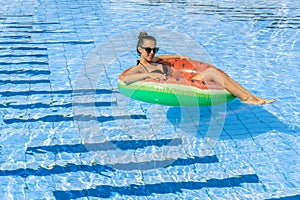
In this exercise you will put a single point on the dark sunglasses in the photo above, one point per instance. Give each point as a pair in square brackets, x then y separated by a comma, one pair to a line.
[148, 49]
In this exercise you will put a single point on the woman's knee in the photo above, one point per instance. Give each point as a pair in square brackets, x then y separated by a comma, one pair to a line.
[211, 72]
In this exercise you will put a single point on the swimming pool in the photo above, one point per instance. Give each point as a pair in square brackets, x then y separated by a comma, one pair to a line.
[66, 132]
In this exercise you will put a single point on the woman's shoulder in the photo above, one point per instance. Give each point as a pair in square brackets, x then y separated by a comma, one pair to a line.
[135, 69]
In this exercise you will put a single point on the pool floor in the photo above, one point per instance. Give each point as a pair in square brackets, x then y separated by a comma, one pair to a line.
[67, 133]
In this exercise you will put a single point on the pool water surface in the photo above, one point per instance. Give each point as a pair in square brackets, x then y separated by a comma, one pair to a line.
[67, 133]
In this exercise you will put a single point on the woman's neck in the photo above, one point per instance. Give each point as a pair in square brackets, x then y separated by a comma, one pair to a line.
[144, 61]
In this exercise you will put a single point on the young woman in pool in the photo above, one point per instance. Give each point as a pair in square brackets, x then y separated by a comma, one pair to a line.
[152, 67]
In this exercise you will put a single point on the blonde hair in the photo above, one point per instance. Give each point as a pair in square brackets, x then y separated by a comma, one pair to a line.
[143, 36]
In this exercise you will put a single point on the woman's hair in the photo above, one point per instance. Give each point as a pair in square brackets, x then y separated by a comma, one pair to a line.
[143, 36]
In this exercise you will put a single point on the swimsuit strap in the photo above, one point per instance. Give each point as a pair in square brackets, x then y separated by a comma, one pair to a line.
[144, 67]
[165, 69]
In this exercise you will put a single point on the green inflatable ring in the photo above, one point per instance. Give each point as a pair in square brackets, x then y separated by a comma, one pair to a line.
[176, 91]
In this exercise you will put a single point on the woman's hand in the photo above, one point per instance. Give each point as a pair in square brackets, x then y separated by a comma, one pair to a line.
[157, 76]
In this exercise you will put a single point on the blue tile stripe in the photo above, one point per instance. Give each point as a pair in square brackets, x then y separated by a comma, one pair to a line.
[24, 63]
[52, 105]
[56, 169]
[292, 197]
[24, 55]
[26, 71]
[62, 92]
[65, 118]
[25, 81]
[44, 43]
[105, 146]
[107, 191]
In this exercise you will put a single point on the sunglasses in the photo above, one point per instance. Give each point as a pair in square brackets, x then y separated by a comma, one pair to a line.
[148, 49]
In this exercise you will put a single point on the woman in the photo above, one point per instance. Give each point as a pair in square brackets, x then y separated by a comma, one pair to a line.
[153, 67]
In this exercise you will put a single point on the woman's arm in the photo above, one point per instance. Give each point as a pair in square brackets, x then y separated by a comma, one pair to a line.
[135, 74]
[131, 78]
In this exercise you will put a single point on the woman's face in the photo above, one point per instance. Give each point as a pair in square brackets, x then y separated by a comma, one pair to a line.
[144, 50]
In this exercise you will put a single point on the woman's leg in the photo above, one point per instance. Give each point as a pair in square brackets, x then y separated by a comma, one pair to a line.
[212, 74]
[236, 84]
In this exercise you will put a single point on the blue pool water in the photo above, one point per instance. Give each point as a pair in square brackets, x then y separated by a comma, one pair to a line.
[66, 132]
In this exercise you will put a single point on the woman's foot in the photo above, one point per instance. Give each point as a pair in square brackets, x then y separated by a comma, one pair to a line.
[252, 100]
[256, 100]
[266, 100]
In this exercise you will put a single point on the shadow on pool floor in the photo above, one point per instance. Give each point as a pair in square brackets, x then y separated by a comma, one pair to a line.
[240, 121]
[106, 191]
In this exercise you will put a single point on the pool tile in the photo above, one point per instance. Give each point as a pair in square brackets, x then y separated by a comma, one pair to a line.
[258, 140]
